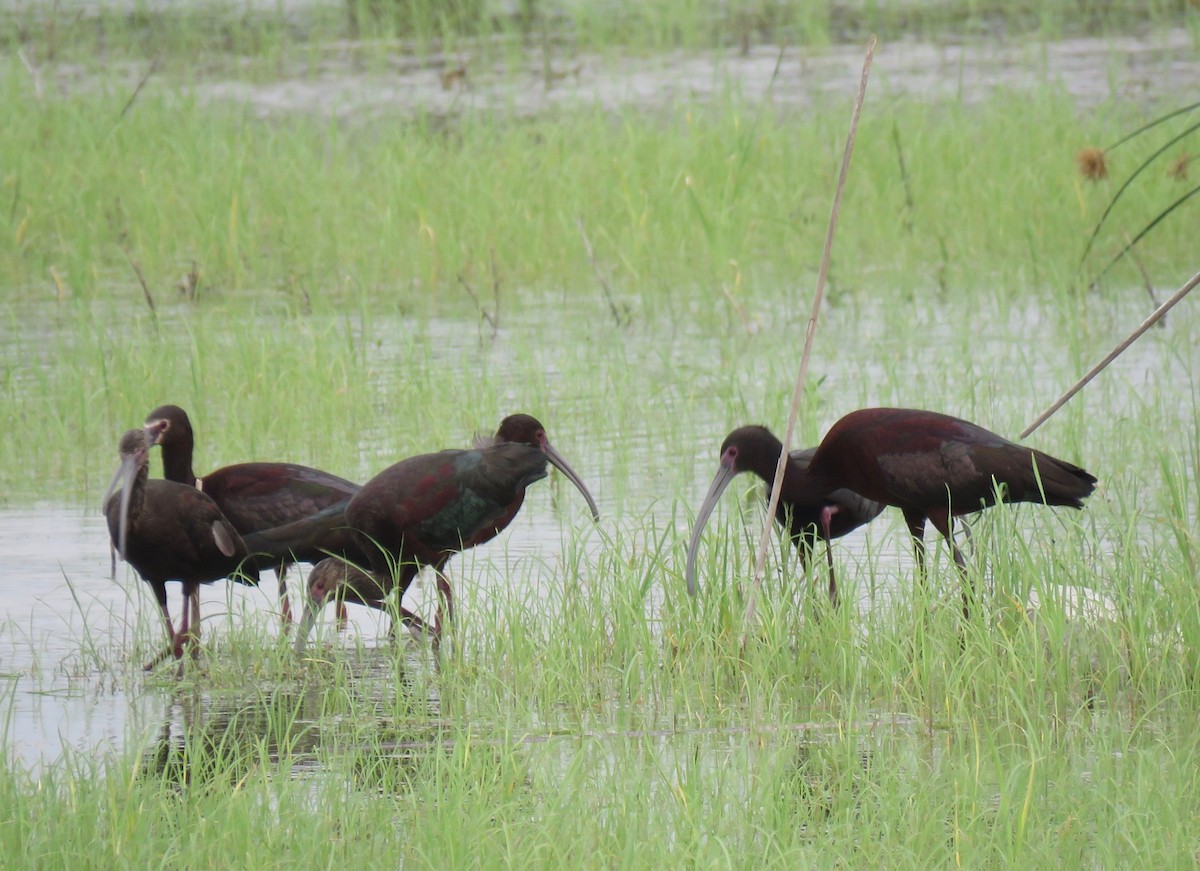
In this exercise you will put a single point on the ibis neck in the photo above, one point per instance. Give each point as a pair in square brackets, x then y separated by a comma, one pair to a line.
[177, 464]
[801, 486]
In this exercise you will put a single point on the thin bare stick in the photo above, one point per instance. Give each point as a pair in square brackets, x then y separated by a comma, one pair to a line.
[137, 270]
[1114, 353]
[495, 292]
[608, 297]
[818, 297]
[140, 85]
[1146, 282]
[909, 207]
[483, 313]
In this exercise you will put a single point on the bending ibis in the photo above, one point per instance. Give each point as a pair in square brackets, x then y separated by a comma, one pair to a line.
[423, 510]
[755, 449]
[171, 532]
[253, 496]
[931, 466]
[337, 579]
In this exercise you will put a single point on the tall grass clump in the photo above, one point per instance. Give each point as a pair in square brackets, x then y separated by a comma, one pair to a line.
[725, 198]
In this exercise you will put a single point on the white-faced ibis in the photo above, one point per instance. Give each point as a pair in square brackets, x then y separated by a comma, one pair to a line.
[755, 449]
[931, 466]
[423, 510]
[253, 496]
[171, 532]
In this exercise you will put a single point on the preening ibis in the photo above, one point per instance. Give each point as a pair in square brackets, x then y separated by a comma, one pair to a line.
[171, 532]
[253, 496]
[423, 510]
[931, 466]
[755, 449]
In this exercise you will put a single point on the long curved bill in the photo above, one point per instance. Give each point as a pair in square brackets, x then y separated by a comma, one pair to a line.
[306, 622]
[124, 479]
[325, 578]
[563, 466]
[724, 475]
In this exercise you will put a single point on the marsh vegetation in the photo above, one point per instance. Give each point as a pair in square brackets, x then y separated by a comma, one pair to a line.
[331, 252]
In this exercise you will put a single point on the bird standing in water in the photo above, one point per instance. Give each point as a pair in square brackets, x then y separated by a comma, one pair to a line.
[756, 450]
[253, 496]
[931, 466]
[171, 532]
[423, 510]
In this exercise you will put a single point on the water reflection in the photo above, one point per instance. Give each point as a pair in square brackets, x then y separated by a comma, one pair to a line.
[367, 707]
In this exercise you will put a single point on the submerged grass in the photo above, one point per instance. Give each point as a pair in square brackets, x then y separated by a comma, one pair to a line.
[610, 721]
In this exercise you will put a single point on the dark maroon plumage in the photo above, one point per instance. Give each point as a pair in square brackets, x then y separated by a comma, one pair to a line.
[253, 496]
[932, 467]
[423, 510]
[171, 532]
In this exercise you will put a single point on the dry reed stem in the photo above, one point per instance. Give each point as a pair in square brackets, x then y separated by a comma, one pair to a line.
[608, 296]
[810, 332]
[1114, 353]
[137, 270]
[141, 84]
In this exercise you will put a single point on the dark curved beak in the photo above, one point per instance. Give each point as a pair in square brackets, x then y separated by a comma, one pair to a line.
[724, 475]
[124, 479]
[313, 603]
[556, 459]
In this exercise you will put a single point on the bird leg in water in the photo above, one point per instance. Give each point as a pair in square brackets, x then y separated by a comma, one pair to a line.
[285, 606]
[943, 522]
[916, 528]
[188, 634]
[445, 605]
[195, 632]
[160, 593]
[827, 513]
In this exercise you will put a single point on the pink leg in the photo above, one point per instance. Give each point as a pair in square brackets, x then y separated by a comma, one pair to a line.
[189, 630]
[827, 514]
[445, 605]
[285, 606]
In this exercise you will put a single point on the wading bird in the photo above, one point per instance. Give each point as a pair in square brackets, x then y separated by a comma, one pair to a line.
[171, 532]
[253, 496]
[931, 466]
[757, 450]
[423, 510]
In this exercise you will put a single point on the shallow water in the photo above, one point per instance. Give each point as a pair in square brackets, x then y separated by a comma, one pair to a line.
[62, 615]
[1088, 69]
[355, 81]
